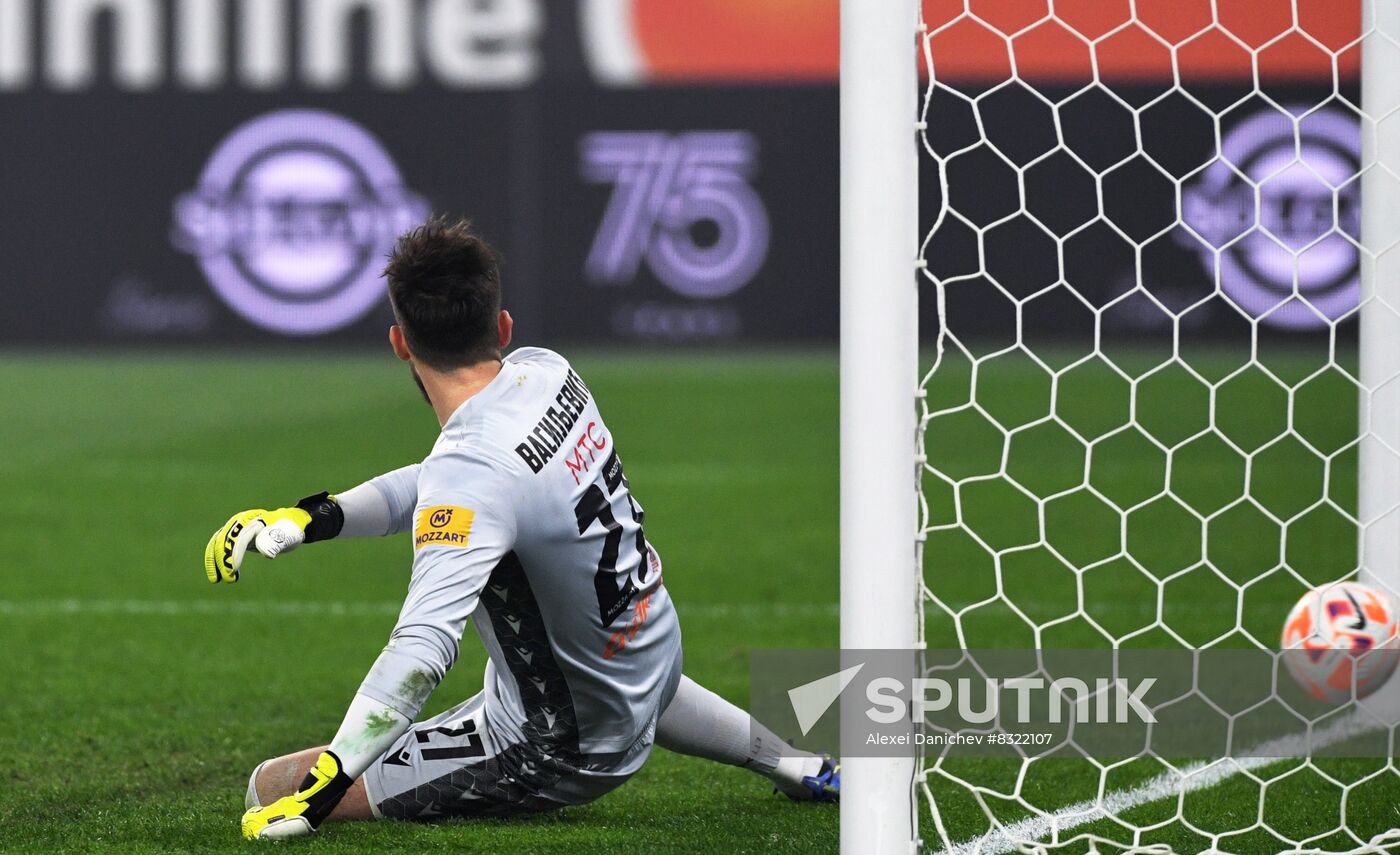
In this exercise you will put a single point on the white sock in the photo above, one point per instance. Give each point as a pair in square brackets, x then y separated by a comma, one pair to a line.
[702, 724]
[791, 770]
[250, 798]
[370, 728]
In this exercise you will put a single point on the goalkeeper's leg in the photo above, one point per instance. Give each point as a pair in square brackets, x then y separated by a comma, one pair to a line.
[454, 764]
[281, 776]
[696, 722]
[702, 724]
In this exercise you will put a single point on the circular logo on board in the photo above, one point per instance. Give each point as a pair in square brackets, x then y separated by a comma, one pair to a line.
[292, 218]
[1281, 206]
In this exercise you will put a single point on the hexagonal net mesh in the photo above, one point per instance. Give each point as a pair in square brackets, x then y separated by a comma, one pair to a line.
[1161, 398]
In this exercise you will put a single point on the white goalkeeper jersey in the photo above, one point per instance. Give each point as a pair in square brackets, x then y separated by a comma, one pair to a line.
[522, 519]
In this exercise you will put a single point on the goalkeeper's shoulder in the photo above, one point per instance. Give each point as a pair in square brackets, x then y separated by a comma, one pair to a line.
[471, 465]
[543, 355]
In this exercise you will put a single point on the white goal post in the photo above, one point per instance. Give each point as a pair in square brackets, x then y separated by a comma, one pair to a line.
[879, 377]
[889, 587]
[1380, 289]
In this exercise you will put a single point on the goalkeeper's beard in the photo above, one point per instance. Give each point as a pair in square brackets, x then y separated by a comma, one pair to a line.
[419, 381]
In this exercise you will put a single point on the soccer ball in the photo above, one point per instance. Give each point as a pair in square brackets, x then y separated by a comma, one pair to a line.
[1339, 628]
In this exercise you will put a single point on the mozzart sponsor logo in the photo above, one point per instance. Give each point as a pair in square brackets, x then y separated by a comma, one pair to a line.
[443, 525]
[1281, 209]
[292, 218]
[682, 204]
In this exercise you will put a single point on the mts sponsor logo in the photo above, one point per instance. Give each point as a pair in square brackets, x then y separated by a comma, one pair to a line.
[579, 460]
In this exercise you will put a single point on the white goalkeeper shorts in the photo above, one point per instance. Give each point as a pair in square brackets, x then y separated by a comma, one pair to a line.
[452, 765]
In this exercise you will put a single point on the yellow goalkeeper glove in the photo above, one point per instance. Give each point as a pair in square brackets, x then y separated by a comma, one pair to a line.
[270, 533]
[303, 811]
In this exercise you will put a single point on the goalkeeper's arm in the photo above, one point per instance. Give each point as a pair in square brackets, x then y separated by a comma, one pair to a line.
[378, 507]
[448, 576]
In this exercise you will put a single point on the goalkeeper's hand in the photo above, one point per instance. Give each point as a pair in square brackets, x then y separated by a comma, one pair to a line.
[270, 533]
[303, 811]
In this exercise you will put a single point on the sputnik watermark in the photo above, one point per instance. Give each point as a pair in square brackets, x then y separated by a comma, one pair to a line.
[919, 738]
[1099, 703]
[1109, 700]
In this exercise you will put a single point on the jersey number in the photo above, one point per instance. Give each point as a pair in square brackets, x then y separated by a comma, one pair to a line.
[596, 506]
[472, 748]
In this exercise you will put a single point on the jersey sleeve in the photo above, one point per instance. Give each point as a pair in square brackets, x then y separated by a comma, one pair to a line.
[463, 525]
[380, 506]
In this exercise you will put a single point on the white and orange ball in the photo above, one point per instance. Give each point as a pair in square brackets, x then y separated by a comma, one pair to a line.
[1343, 632]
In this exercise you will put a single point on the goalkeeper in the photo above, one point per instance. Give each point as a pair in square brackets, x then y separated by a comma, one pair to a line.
[523, 519]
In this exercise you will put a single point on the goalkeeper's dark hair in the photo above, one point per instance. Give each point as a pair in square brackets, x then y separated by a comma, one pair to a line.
[445, 288]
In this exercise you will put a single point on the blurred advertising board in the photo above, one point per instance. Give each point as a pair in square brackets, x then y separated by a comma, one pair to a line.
[230, 171]
[234, 171]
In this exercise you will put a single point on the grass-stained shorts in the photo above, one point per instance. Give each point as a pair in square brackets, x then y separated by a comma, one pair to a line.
[454, 765]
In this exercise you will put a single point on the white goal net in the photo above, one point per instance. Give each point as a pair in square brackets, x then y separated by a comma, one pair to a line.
[1160, 393]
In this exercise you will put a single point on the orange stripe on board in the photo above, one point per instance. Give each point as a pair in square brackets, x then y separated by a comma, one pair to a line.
[739, 40]
[982, 36]
[746, 41]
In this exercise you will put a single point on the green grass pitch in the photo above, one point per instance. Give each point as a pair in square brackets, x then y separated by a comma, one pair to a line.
[136, 732]
[135, 697]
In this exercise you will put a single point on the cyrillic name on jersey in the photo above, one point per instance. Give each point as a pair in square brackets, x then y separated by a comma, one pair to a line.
[544, 441]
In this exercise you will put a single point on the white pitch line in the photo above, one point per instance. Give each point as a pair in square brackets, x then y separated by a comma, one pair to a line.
[298, 608]
[1189, 778]
[176, 608]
